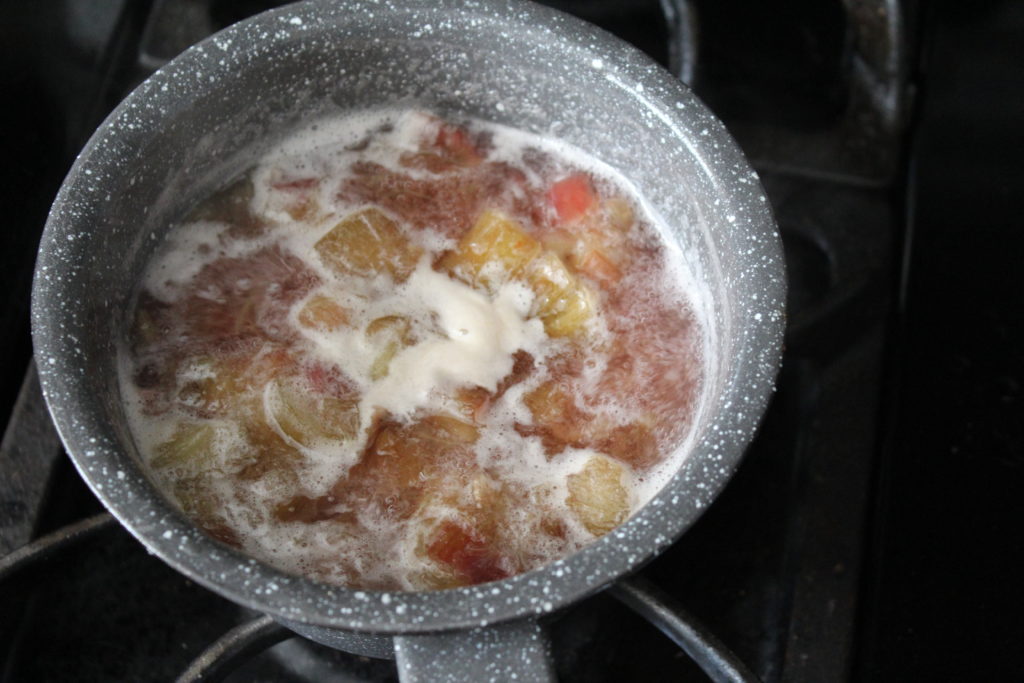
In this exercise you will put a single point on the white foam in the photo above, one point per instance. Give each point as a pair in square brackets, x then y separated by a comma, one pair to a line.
[478, 336]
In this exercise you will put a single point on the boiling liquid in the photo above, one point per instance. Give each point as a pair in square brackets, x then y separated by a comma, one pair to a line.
[405, 354]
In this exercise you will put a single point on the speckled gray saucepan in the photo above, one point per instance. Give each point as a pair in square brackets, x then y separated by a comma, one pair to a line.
[209, 113]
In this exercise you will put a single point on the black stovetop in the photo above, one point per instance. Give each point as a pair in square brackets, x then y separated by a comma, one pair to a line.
[871, 531]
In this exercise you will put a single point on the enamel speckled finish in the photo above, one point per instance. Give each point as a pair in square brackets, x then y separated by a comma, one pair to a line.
[211, 111]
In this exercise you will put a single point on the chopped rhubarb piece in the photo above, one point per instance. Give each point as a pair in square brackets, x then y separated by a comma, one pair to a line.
[328, 380]
[210, 391]
[618, 214]
[230, 385]
[322, 313]
[391, 334]
[561, 241]
[599, 267]
[556, 418]
[495, 249]
[447, 202]
[199, 501]
[190, 445]
[563, 302]
[446, 430]
[401, 461]
[309, 419]
[469, 553]
[598, 495]
[572, 197]
[367, 243]
[633, 444]
[267, 453]
[239, 301]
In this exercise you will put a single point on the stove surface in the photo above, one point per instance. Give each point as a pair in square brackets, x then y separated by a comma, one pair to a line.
[820, 559]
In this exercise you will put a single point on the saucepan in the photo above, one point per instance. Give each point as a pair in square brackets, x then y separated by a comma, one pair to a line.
[208, 114]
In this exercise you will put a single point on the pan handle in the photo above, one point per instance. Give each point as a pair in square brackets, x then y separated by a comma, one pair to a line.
[480, 654]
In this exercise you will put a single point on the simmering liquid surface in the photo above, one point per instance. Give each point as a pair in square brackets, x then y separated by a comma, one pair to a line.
[404, 353]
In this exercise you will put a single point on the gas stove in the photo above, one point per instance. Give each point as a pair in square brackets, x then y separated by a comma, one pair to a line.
[786, 567]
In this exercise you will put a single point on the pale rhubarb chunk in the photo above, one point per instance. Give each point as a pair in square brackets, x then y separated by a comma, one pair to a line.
[556, 418]
[390, 334]
[268, 454]
[585, 251]
[404, 462]
[309, 419]
[596, 264]
[367, 243]
[465, 545]
[211, 391]
[322, 313]
[448, 430]
[563, 303]
[494, 250]
[231, 386]
[618, 214]
[598, 495]
[191, 444]
[561, 241]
